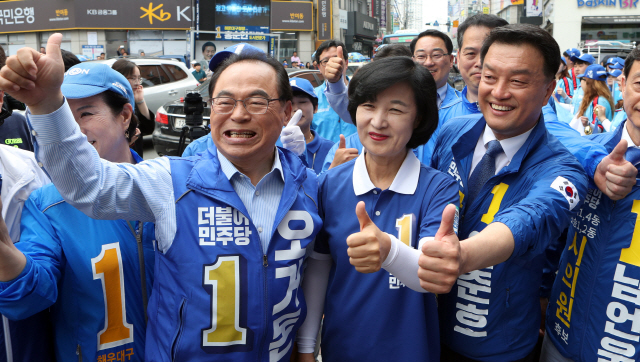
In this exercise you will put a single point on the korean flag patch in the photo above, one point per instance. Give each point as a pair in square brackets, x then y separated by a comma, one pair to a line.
[566, 188]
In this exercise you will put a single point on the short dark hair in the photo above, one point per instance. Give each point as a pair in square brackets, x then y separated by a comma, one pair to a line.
[518, 34]
[313, 100]
[328, 44]
[374, 78]
[393, 50]
[208, 44]
[633, 57]
[282, 78]
[433, 33]
[115, 102]
[69, 59]
[483, 20]
[124, 67]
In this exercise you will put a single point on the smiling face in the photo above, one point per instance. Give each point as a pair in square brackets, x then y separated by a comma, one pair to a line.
[208, 52]
[631, 93]
[386, 124]
[469, 56]
[513, 89]
[428, 45]
[248, 139]
[104, 130]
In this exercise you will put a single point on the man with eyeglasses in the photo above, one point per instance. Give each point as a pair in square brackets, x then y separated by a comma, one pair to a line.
[332, 60]
[227, 279]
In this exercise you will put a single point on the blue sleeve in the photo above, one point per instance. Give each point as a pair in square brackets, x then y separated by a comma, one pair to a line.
[338, 99]
[588, 153]
[329, 158]
[445, 193]
[544, 212]
[97, 187]
[36, 288]
[551, 262]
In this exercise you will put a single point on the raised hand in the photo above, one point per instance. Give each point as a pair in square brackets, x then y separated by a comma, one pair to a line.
[343, 154]
[334, 70]
[368, 248]
[34, 78]
[440, 263]
[292, 137]
[616, 176]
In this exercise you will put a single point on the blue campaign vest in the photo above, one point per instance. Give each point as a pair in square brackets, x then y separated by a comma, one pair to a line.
[86, 253]
[75, 265]
[593, 311]
[217, 296]
[493, 314]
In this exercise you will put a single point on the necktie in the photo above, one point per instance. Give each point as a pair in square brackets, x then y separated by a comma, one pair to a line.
[633, 155]
[439, 101]
[485, 169]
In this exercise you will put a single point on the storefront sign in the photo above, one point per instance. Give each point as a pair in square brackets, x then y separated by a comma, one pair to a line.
[325, 28]
[383, 13]
[344, 22]
[624, 4]
[362, 25]
[292, 15]
[38, 15]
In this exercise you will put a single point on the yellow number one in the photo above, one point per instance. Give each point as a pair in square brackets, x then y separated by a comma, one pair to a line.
[631, 255]
[224, 277]
[405, 228]
[108, 268]
[498, 193]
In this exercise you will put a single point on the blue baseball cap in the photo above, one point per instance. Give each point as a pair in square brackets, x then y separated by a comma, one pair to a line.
[615, 63]
[585, 58]
[595, 71]
[241, 48]
[615, 73]
[88, 79]
[302, 85]
[563, 60]
[573, 52]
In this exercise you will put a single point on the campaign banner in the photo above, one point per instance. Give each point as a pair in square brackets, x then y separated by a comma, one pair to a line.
[534, 8]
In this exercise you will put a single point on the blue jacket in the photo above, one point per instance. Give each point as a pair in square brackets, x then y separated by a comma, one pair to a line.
[596, 293]
[494, 313]
[217, 296]
[566, 85]
[446, 111]
[326, 121]
[74, 264]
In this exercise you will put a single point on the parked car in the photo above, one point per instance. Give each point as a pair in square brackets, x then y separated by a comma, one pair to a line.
[163, 80]
[170, 118]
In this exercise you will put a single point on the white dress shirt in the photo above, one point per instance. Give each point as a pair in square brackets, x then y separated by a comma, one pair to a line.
[510, 146]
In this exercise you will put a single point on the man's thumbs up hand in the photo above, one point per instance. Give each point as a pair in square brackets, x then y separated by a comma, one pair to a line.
[440, 262]
[334, 70]
[368, 248]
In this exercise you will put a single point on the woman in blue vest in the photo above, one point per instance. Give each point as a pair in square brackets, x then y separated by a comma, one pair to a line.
[596, 92]
[95, 275]
[564, 87]
[378, 209]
